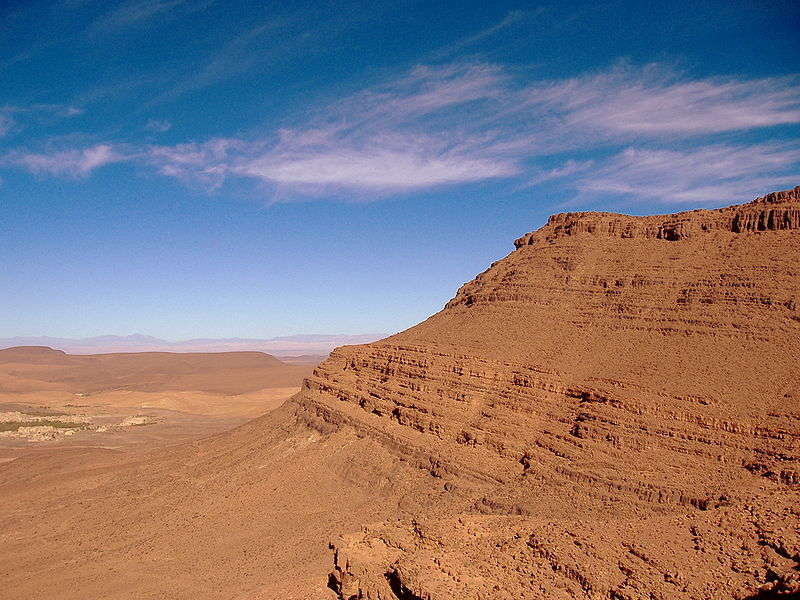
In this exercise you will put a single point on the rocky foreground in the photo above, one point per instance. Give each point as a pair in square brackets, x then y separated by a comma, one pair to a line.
[610, 412]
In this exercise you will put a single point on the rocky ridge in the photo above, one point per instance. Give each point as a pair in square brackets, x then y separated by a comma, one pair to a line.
[775, 211]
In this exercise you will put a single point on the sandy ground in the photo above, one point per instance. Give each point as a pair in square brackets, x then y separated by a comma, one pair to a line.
[132, 421]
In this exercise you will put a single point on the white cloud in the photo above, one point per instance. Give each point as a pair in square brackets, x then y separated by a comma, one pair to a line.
[467, 122]
[158, 125]
[378, 169]
[717, 173]
[570, 167]
[653, 101]
[13, 118]
[428, 89]
[399, 136]
[207, 162]
[71, 162]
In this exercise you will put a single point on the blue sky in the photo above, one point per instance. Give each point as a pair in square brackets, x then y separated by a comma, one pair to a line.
[217, 169]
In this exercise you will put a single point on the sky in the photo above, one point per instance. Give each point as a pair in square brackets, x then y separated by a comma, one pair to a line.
[209, 168]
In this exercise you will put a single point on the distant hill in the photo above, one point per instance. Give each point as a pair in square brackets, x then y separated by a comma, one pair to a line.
[33, 355]
[290, 345]
[40, 368]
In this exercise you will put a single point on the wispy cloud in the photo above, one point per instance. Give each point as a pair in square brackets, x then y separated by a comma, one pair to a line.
[70, 162]
[512, 18]
[393, 137]
[466, 122]
[158, 125]
[377, 169]
[6, 123]
[208, 162]
[13, 118]
[715, 173]
[569, 168]
[425, 90]
[653, 101]
[402, 135]
[235, 57]
[134, 12]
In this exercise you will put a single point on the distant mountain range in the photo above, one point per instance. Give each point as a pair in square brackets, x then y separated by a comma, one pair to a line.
[289, 345]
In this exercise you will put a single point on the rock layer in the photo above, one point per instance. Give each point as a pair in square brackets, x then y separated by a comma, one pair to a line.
[611, 411]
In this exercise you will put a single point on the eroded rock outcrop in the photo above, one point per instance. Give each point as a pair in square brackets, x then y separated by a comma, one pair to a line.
[775, 211]
[611, 411]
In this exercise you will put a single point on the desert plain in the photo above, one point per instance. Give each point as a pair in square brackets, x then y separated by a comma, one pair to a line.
[52, 402]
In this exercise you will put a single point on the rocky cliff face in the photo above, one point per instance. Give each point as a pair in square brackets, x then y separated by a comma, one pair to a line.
[611, 411]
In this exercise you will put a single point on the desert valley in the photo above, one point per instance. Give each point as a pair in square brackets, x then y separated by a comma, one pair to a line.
[134, 399]
[611, 411]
